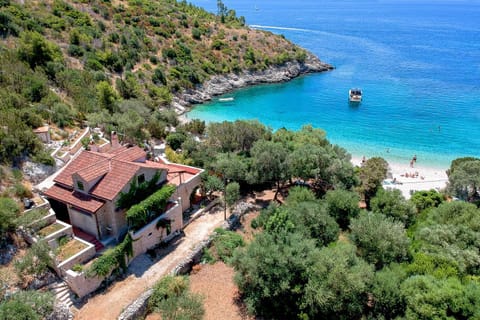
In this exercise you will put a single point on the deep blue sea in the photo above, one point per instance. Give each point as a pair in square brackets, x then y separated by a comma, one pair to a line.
[417, 62]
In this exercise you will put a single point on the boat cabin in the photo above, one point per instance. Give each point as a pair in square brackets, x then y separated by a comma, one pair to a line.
[355, 95]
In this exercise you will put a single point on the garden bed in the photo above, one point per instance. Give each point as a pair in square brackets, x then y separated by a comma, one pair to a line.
[52, 228]
[69, 249]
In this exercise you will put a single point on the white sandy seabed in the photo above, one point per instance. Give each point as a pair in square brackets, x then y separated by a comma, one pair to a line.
[409, 179]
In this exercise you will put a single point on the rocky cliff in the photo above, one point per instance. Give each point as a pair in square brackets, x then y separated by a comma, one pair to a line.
[221, 84]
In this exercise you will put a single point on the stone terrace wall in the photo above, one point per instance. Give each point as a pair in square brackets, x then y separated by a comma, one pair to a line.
[150, 236]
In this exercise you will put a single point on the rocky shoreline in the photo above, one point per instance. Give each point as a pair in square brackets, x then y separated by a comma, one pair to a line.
[221, 84]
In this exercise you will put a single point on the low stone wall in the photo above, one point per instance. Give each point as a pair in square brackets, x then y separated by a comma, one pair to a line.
[80, 284]
[46, 220]
[138, 308]
[43, 205]
[30, 238]
[78, 143]
[65, 231]
[65, 157]
[200, 212]
[80, 258]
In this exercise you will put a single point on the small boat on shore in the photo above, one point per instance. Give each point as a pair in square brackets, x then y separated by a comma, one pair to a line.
[355, 95]
[226, 99]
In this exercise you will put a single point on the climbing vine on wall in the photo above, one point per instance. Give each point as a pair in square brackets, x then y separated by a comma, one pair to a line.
[112, 259]
[138, 192]
[150, 208]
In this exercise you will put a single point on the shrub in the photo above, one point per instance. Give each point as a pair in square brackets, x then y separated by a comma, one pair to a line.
[196, 34]
[172, 299]
[36, 50]
[75, 50]
[158, 77]
[27, 305]
[225, 242]
[77, 267]
[43, 157]
[175, 140]
[8, 213]
[63, 240]
[35, 263]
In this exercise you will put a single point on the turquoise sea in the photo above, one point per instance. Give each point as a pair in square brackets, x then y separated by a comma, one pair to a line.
[417, 62]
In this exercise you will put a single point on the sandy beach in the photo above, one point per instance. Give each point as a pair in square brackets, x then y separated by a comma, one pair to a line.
[408, 179]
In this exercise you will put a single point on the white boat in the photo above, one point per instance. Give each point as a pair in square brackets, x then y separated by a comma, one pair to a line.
[355, 95]
[226, 99]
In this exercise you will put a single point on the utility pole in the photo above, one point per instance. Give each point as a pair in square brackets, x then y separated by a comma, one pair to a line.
[224, 199]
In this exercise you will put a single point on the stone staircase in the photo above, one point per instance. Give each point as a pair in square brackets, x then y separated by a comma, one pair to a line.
[62, 293]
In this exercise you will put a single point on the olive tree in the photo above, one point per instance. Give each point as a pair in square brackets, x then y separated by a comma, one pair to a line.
[338, 284]
[372, 173]
[380, 239]
[343, 205]
[464, 178]
[393, 204]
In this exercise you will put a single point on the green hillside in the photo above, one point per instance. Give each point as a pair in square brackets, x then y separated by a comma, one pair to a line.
[114, 63]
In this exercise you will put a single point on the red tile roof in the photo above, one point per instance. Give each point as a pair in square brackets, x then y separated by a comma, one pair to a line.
[180, 167]
[74, 198]
[115, 180]
[41, 129]
[94, 171]
[84, 160]
[173, 167]
[131, 154]
[116, 169]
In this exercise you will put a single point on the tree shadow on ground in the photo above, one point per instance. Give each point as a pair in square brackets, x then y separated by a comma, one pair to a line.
[144, 261]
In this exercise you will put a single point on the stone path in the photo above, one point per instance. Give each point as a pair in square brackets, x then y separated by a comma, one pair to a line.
[143, 273]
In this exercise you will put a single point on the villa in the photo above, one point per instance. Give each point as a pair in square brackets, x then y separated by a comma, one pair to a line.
[86, 192]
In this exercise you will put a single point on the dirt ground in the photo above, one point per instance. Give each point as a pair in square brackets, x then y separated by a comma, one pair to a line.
[215, 283]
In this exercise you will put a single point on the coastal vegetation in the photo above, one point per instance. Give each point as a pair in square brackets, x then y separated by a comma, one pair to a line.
[117, 65]
[318, 254]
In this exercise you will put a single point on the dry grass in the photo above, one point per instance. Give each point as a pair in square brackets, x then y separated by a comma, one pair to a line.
[8, 274]
[68, 250]
[54, 227]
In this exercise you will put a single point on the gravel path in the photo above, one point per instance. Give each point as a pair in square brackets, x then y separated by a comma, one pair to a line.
[143, 273]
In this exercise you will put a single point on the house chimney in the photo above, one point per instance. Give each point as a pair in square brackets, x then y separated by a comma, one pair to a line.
[114, 140]
[93, 146]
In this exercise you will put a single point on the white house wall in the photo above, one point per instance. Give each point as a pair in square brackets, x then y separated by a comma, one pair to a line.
[83, 220]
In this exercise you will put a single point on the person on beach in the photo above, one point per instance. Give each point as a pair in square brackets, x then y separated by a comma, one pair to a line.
[413, 161]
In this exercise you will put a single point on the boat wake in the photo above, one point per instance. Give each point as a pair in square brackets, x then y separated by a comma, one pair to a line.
[370, 45]
[256, 26]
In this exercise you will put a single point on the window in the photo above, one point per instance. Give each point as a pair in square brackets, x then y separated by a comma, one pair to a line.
[80, 185]
[141, 178]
